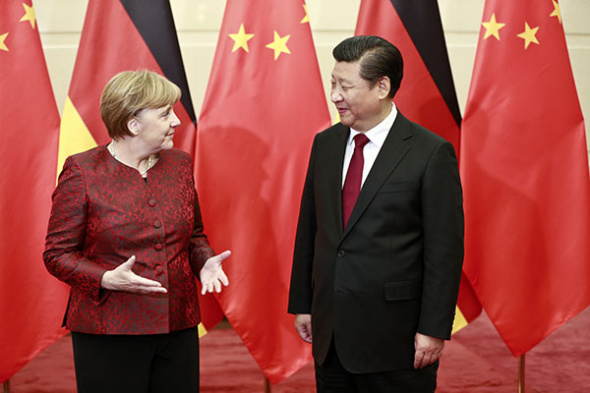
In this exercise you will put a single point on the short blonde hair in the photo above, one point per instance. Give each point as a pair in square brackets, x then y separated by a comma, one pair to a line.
[130, 92]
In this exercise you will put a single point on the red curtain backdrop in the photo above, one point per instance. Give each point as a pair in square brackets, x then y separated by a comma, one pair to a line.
[31, 301]
[427, 93]
[121, 35]
[263, 106]
[525, 174]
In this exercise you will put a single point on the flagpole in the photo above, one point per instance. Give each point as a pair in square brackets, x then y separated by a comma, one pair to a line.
[6, 386]
[521, 364]
[267, 385]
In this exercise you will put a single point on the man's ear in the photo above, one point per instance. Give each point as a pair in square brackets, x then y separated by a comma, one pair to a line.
[384, 86]
[133, 125]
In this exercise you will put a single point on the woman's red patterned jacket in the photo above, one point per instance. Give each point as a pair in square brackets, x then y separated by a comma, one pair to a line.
[103, 213]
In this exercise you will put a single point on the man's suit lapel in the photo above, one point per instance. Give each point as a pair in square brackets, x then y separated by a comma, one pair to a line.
[392, 152]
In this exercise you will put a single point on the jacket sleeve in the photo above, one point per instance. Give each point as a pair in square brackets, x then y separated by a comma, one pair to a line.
[443, 223]
[300, 292]
[63, 255]
[199, 249]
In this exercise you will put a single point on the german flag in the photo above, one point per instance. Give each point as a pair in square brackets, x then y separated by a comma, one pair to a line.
[427, 93]
[121, 35]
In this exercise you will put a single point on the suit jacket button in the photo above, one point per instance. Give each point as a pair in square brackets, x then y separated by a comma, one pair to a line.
[158, 246]
[157, 224]
[158, 269]
[152, 202]
[341, 253]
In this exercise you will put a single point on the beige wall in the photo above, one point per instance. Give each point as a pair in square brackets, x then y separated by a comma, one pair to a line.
[198, 22]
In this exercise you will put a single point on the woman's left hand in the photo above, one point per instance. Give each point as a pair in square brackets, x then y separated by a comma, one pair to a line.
[212, 275]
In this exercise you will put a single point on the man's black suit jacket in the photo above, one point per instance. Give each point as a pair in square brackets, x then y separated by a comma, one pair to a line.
[395, 269]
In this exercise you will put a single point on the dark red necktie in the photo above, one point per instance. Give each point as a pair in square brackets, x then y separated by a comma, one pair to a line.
[354, 177]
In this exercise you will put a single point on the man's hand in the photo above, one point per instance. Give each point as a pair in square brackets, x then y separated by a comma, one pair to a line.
[428, 350]
[212, 275]
[122, 278]
[303, 326]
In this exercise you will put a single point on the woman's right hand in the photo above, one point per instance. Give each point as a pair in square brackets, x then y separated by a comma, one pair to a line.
[123, 279]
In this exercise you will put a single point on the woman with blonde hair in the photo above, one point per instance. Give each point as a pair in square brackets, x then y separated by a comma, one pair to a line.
[126, 234]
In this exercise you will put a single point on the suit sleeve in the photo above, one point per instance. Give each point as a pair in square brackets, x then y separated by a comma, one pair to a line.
[300, 292]
[443, 223]
[63, 256]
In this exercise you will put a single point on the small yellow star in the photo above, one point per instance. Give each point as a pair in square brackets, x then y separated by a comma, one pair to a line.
[279, 45]
[528, 35]
[241, 39]
[2, 44]
[306, 17]
[556, 11]
[493, 28]
[29, 15]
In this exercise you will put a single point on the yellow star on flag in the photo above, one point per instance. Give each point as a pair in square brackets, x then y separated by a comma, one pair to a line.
[493, 28]
[306, 17]
[2, 44]
[528, 35]
[279, 45]
[29, 15]
[241, 39]
[556, 11]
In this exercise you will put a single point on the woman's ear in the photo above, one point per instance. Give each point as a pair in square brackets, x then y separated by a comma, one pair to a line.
[133, 125]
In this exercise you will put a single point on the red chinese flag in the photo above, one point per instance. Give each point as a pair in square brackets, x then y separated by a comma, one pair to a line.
[264, 104]
[427, 93]
[121, 35]
[525, 175]
[31, 301]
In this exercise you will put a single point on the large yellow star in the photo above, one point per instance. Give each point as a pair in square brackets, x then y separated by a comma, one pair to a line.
[29, 15]
[2, 44]
[279, 45]
[306, 17]
[556, 11]
[241, 39]
[493, 28]
[528, 35]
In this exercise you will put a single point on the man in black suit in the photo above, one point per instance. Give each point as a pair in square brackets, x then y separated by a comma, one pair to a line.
[376, 291]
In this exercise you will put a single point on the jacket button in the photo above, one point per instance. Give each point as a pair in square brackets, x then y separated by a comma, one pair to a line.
[158, 269]
[341, 253]
[158, 246]
[157, 224]
[152, 202]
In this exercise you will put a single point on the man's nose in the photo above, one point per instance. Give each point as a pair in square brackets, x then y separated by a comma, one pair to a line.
[336, 96]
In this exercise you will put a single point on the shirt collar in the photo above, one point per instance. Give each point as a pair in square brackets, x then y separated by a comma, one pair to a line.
[378, 133]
